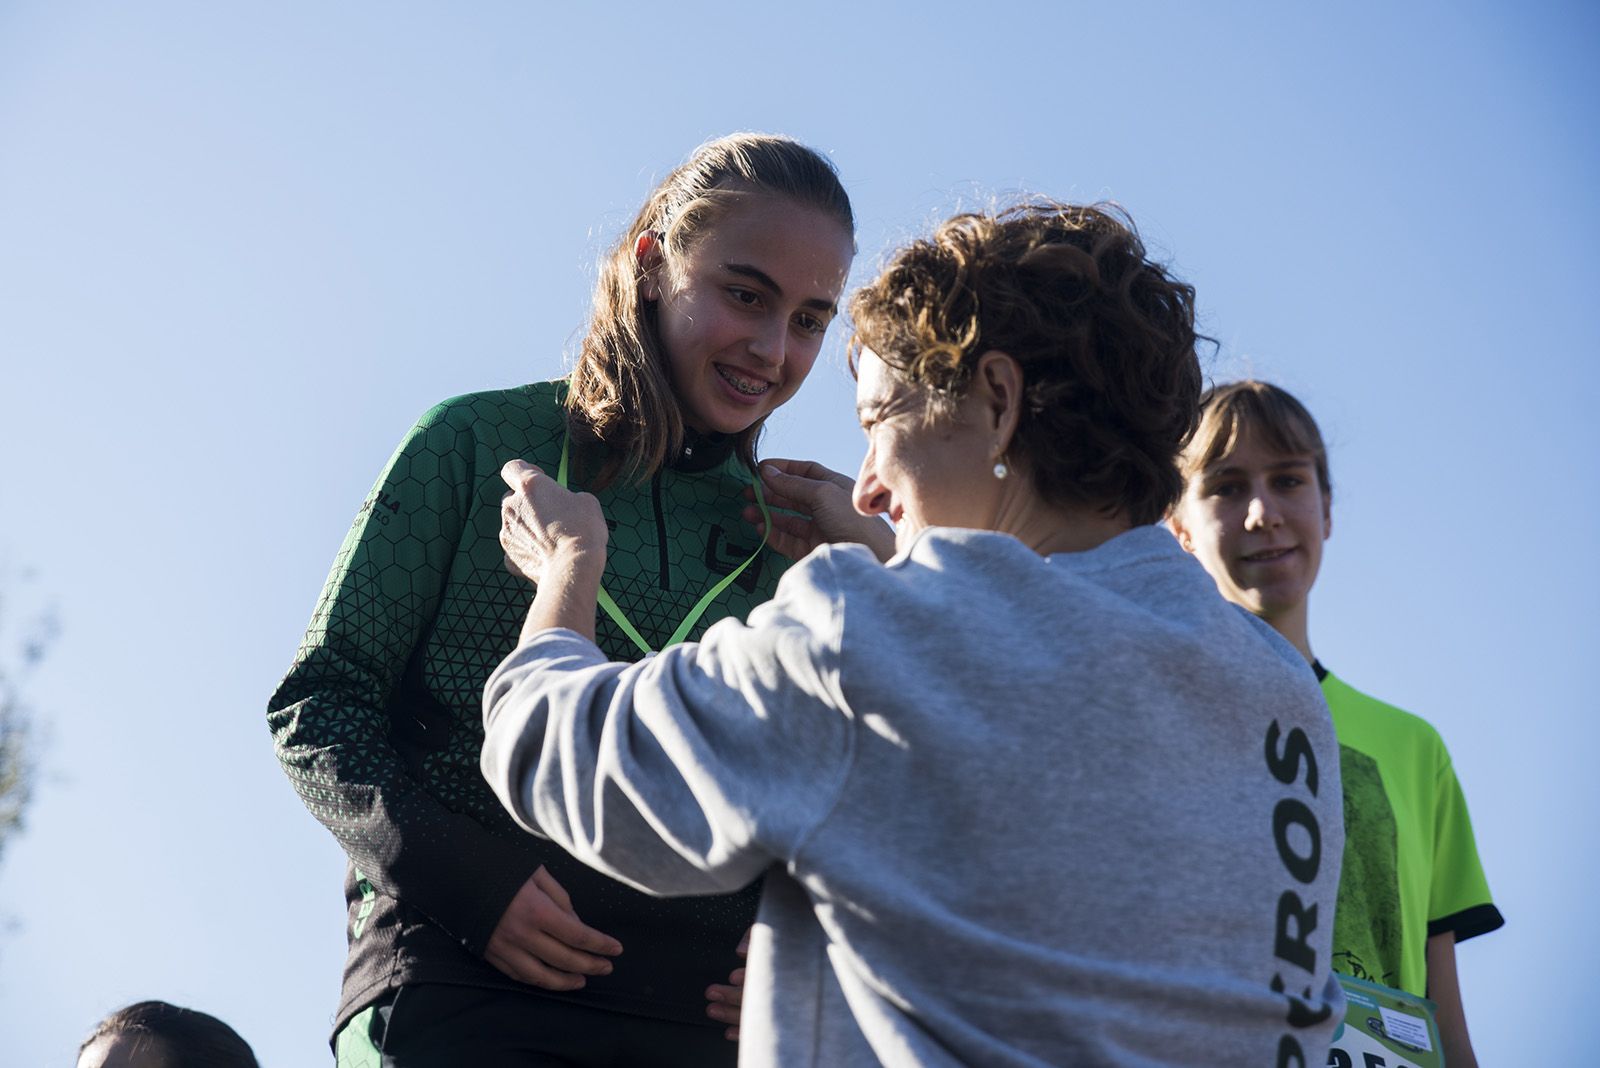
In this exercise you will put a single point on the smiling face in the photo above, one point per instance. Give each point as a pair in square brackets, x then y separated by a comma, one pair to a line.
[1257, 518]
[922, 470]
[741, 312]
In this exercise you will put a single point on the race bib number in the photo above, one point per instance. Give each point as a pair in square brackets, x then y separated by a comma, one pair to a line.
[1384, 1028]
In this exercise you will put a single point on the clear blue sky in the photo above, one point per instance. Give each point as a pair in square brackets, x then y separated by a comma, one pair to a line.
[242, 248]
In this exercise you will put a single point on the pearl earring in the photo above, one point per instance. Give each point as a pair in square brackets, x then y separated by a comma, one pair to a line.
[1000, 470]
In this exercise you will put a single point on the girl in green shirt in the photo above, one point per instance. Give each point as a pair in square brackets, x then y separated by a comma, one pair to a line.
[469, 941]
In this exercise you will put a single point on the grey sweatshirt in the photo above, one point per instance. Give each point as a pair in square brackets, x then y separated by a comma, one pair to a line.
[1011, 809]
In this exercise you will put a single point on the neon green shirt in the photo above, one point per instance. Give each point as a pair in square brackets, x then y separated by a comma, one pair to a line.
[1411, 865]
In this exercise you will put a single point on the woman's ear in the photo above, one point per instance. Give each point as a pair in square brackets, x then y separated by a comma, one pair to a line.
[647, 254]
[1175, 524]
[997, 379]
[1327, 515]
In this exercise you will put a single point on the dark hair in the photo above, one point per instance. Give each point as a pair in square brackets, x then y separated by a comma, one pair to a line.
[621, 394]
[1249, 405]
[1105, 339]
[183, 1038]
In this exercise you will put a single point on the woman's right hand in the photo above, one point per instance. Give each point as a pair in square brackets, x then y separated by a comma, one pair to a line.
[541, 941]
[825, 501]
[542, 522]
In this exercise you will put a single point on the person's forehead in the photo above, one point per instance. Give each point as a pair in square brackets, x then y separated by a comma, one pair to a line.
[780, 235]
[874, 383]
[1255, 448]
[115, 1051]
[1251, 453]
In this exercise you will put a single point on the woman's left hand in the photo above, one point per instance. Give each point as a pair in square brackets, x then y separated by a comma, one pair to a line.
[725, 1001]
[542, 522]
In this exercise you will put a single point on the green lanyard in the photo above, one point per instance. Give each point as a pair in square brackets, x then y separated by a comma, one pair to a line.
[616, 613]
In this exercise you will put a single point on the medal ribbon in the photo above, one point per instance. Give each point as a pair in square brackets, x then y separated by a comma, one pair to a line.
[613, 610]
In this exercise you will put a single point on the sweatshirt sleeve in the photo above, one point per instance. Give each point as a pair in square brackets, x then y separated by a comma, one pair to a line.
[690, 772]
[330, 716]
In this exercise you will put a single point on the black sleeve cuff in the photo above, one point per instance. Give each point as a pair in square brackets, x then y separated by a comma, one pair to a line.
[1468, 923]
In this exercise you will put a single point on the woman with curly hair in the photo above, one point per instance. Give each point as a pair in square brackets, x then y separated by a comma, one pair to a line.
[1028, 793]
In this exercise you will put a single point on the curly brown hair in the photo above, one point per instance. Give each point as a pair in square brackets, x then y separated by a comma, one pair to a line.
[1105, 339]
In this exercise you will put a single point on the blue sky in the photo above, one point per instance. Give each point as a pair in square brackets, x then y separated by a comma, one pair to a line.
[242, 249]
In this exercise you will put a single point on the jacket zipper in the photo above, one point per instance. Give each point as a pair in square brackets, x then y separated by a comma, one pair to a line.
[661, 529]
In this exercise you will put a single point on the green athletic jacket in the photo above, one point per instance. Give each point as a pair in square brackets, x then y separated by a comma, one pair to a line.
[379, 720]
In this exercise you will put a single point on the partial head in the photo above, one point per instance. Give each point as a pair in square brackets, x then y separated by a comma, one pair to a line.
[1233, 410]
[1040, 338]
[154, 1034]
[711, 309]
[1257, 501]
